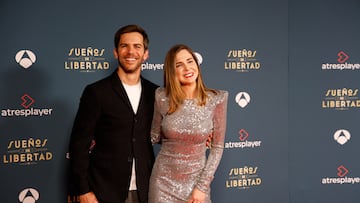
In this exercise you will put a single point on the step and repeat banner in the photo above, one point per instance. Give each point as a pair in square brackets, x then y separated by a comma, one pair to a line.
[324, 101]
[291, 69]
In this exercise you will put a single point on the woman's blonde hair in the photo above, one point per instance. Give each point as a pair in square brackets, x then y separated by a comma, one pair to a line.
[172, 85]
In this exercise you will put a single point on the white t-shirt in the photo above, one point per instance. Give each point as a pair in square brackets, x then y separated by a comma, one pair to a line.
[133, 93]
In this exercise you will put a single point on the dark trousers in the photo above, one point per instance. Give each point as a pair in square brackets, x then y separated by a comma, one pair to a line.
[132, 197]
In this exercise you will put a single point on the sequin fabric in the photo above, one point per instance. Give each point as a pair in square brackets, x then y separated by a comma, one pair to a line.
[181, 163]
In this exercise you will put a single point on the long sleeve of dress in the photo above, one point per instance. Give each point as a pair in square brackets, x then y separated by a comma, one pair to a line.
[217, 144]
[156, 122]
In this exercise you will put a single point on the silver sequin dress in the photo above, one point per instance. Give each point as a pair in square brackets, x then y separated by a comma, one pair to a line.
[181, 163]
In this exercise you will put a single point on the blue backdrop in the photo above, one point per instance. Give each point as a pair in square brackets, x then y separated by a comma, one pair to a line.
[291, 69]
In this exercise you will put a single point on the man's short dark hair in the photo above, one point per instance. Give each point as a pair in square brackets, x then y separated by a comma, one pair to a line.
[131, 28]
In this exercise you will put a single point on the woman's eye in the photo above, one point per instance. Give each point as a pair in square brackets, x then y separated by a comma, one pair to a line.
[191, 61]
[178, 65]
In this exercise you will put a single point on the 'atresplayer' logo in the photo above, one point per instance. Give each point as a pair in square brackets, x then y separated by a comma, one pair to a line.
[342, 64]
[86, 60]
[343, 178]
[152, 66]
[244, 142]
[26, 101]
[242, 60]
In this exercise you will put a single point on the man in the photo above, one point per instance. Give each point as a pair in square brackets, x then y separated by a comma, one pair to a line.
[115, 115]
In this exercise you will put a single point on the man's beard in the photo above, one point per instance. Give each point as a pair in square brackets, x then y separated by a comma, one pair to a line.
[126, 70]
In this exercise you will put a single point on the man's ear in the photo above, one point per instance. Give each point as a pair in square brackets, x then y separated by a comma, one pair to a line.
[146, 55]
[115, 53]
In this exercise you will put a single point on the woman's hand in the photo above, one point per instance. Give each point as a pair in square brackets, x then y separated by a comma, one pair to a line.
[197, 196]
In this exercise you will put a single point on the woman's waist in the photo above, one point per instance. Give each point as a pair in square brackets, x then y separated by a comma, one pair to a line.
[183, 150]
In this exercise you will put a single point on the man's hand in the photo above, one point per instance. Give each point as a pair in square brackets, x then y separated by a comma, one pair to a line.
[208, 141]
[88, 198]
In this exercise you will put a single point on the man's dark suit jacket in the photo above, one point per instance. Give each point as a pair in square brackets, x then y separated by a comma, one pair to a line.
[106, 116]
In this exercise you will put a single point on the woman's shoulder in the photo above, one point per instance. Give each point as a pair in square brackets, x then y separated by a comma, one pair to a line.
[218, 96]
[160, 93]
[217, 93]
[161, 100]
[223, 93]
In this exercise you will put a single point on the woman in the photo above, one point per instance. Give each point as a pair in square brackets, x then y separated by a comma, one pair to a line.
[186, 113]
